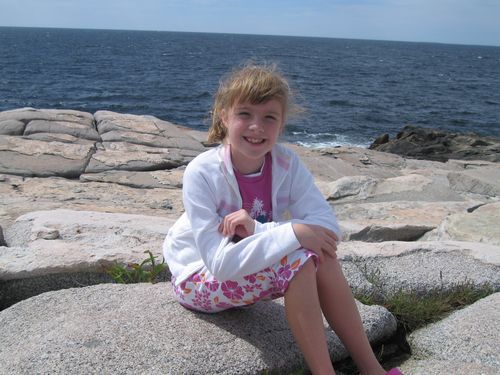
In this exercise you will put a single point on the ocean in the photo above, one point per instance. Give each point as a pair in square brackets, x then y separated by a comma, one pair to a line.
[352, 90]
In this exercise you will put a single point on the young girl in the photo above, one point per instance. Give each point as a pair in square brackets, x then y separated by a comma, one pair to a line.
[256, 227]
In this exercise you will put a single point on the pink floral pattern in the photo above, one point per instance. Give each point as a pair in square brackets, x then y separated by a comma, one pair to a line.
[202, 292]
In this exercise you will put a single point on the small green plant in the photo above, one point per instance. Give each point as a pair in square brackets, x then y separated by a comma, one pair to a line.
[146, 271]
[413, 310]
[301, 371]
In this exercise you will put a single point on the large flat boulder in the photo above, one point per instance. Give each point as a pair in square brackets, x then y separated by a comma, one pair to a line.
[169, 179]
[134, 157]
[397, 220]
[144, 130]
[21, 195]
[45, 247]
[480, 225]
[66, 240]
[409, 187]
[29, 157]
[153, 140]
[84, 131]
[11, 127]
[482, 178]
[28, 114]
[141, 329]
[469, 335]
[424, 266]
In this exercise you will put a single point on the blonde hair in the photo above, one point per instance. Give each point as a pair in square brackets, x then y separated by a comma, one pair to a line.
[254, 84]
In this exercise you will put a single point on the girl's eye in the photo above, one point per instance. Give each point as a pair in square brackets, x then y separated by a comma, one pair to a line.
[243, 114]
[271, 117]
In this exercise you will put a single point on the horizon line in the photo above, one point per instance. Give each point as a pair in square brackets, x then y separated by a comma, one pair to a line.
[249, 34]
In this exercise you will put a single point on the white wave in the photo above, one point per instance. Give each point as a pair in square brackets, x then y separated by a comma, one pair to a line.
[324, 140]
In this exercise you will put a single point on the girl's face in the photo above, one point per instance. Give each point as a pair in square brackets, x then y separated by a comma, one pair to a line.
[252, 131]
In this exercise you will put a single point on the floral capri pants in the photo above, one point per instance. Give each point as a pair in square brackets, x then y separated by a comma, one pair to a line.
[203, 292]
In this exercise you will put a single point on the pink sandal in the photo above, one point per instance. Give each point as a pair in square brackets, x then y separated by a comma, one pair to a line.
[394, 371]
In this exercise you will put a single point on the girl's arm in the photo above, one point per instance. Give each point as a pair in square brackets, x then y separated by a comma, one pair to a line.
[307, 203]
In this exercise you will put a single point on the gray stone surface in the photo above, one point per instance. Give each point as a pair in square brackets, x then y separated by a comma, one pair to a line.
[348, 186]
[479, 178]
[50, 250]
[437, 367]
[480, 225]
[22, 195]
[11, 127]
[29, 157]
[133, 157]
[28, 114]
[169, 179]
[47, 242]
[151, 140]
[398, 220]
[2, 239]
[469, 335]
[450, 209]
[140, 329]
[68, 143]
[58, 137]
[84, 131]
[378, 233]
[145, 130]
[424, 266]
[409, 187]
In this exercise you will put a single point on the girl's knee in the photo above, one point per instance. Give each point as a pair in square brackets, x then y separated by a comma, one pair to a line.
[306, 272]
[329, 265]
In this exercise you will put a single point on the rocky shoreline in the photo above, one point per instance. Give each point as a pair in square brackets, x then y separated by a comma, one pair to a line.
[81, 191]
[434, 144]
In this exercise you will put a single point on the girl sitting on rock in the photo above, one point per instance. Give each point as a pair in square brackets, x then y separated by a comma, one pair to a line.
[256, 227]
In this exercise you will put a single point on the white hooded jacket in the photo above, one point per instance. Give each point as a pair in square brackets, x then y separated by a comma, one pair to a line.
[210, 192]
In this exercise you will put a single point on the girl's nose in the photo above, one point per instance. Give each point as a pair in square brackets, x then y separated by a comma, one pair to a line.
[257, 125]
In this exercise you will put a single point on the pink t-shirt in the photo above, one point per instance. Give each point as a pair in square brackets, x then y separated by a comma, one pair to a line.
[256, 190]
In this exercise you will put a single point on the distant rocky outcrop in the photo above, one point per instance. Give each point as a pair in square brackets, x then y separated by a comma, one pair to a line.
[81, 191]
[433, 144]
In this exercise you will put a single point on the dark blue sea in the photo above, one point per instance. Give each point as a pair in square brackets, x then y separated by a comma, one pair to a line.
[352, 90]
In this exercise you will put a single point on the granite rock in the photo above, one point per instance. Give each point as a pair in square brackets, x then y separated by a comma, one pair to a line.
[29, 157]
[132, 329]
[47, 246]
[424, 266]
[12, 127]
[434, 144]
[419, 225]
[469, 335]
[476, 225]
[84, 131]
[439, 367]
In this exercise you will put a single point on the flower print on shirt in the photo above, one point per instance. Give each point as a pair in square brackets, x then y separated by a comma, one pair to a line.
[257, 211]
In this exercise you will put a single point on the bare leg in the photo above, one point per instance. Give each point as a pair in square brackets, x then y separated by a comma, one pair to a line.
[339, 307]
[304, 317]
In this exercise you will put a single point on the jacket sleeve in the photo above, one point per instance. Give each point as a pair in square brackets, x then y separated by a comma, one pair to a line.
[223, 258]
[307, 203]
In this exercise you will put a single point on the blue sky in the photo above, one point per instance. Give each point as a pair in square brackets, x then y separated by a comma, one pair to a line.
[446, 21]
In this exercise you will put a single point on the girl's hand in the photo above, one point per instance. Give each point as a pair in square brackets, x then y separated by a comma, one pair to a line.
[321, 241]
[237, 223]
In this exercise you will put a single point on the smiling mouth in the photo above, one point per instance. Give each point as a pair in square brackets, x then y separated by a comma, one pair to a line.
[254, 141]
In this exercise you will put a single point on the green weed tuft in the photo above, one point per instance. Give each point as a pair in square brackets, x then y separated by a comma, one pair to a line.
[414, 310]
[146, 271]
